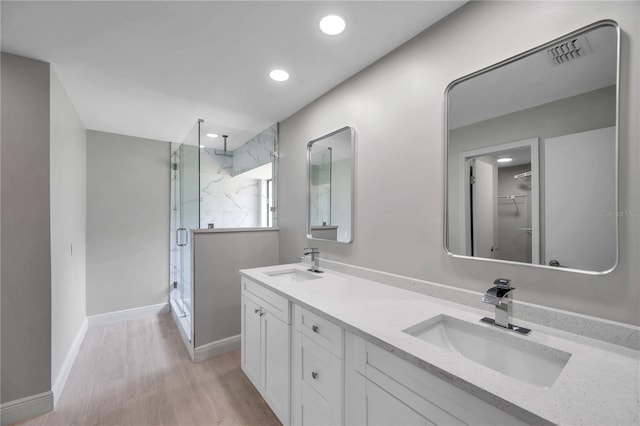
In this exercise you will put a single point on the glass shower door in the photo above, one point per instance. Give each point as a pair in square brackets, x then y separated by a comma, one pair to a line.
[189, 206]
[174, 256]
[185, 216]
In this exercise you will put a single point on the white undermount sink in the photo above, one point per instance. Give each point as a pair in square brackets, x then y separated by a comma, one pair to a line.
[500, 350]
[292, 276]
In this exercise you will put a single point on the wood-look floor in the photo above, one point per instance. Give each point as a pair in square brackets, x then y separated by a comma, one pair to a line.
[139, 373]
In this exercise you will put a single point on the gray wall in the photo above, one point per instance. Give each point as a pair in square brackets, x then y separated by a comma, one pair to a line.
[68, 225]
[127, 222]
[218, 257]
[589, 111]
[26, 248]
[396, 106]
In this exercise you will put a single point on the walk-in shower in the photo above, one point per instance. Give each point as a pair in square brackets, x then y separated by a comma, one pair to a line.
[217, 182]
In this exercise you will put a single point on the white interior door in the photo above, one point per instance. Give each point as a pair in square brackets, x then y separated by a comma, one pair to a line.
[484, 203]
[579, 174]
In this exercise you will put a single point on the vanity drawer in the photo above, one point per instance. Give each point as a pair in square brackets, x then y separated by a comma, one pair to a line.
[318, 369]
[277, 305]
[320, 376]
[320, 330]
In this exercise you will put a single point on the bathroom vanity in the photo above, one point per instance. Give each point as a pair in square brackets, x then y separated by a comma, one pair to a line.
[333, 348]
[340, 348]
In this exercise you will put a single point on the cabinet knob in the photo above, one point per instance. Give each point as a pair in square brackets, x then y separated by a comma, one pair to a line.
[262, 313]
[314, 374]
[315, 328]
[255, 311]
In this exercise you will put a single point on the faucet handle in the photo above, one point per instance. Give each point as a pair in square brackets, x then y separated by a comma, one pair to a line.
[310, 250]
[497, 293]
[502, 283]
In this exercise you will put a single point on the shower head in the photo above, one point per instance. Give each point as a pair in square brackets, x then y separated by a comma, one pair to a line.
[224, 153]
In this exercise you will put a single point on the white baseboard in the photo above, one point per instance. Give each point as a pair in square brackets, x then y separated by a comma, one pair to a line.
[218, 347]
[128, 314]
[61, 380]
[24, 408]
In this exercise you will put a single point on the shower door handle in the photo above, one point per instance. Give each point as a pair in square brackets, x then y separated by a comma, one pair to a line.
[186, 239]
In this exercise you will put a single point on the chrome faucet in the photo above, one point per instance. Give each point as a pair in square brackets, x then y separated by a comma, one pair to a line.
[500, 296]
[311, 254]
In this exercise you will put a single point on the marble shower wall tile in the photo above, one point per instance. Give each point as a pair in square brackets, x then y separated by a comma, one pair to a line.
[225, 200]
[320, 186]
[255, 152]
[320, 205]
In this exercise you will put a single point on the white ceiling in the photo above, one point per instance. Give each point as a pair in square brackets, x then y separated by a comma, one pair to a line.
[534, 80]
[151, 69]
[340, 144]
[519, 156]
[236, 137]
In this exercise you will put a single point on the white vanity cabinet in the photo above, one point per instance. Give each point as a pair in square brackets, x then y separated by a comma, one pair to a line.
[385, 389]
[317, 371]
[266, 343]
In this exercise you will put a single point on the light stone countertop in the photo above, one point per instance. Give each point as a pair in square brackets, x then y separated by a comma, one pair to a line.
[598, 386]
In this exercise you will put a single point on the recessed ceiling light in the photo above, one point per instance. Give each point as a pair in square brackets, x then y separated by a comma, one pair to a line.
[279, 75]
[212, 135]
[504, 159]
[332, 25]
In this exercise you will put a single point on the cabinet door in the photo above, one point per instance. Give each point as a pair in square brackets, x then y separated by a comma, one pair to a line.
[275, 367]
[251, 322]
[314, 409]
[375, 406]
[384, 409]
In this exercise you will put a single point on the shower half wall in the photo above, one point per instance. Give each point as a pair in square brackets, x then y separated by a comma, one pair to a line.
[222, 195]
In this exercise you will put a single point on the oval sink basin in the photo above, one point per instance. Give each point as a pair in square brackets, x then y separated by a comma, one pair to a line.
[291, 276]
[498, 350]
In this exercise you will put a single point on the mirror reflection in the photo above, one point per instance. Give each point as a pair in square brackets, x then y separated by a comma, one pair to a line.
[531, 156]
[330, 161]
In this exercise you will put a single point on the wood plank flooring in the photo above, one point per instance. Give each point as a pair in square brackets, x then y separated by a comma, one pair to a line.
[139, 373]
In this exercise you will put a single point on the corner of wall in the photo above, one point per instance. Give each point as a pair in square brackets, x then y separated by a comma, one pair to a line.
[128, 207]
[68, 232]
[26, 280]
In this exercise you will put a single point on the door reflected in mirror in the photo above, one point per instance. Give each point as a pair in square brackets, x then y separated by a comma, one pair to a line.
[532, 156]
[500, 195]
[330, 181]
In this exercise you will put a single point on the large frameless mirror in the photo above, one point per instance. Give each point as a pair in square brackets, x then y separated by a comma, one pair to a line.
[330, 186]
[531, 156]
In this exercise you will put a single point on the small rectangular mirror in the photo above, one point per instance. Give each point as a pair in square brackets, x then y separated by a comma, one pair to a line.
[531, 156]
[330, 186]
